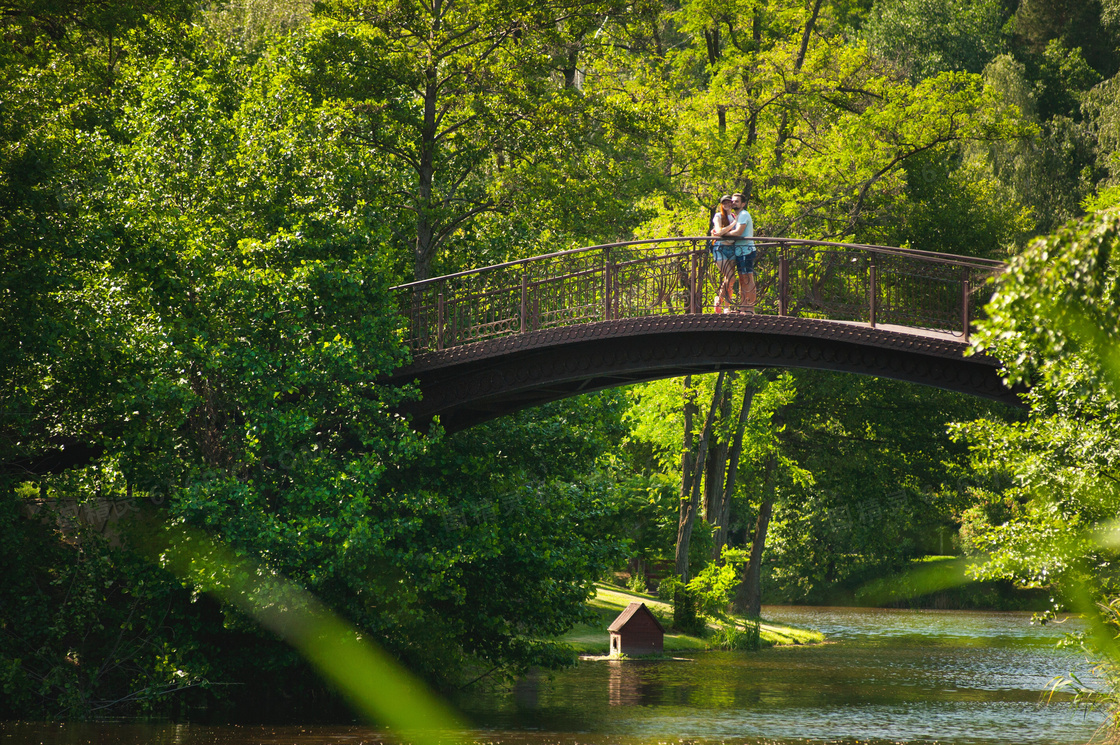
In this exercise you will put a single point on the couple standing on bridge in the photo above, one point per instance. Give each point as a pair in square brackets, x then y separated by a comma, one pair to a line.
[734, 253]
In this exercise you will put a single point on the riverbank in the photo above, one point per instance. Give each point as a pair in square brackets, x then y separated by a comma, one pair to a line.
[934, 583]
[610, 601]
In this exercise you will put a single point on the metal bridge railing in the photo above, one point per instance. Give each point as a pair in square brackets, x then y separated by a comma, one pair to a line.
[673, 276]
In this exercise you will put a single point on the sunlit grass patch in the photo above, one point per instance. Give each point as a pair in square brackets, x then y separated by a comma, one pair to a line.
[774, 635]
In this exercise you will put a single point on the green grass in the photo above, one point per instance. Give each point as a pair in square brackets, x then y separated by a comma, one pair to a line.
[610, 601]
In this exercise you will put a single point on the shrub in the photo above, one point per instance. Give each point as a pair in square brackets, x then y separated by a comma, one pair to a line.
[637, 583]
[713, 587]
[667, 588]
[685, 617]
[733, 638]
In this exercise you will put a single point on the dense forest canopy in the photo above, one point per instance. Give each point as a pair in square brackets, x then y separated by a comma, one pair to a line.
[204, 204]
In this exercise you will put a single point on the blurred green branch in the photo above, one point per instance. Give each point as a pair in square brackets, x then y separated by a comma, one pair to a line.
[376, 685]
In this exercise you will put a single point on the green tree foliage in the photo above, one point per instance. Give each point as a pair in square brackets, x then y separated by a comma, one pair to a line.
[478, 106]
[1058, 72]
[94, 37]
[867, 477]
[956, 208]
[1054, 478]
[461, 564]
[514, 523]
[1089, 27]
[245, 27]
[814, 128]
[926, 37]
[658, 421]
[715, 585]
[59, 80]
[1044, 172]
[214, 320]
[87, 627]
[1102, 105]
[1052, 322]
[887, 482]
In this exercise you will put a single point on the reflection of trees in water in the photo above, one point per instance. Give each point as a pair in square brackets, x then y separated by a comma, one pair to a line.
[527, 691]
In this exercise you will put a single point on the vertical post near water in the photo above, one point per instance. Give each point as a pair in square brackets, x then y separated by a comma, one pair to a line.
[439, 322]
[417, 322]
[607, 284]
[872, 290]
[452, 324]
[524, 301]
[783, 281]
[964, 302]
[693, 306]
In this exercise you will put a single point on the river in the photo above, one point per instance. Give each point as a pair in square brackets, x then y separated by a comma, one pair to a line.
[885, 676]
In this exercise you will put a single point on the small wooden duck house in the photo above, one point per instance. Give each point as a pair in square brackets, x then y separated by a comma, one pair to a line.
[636, 632]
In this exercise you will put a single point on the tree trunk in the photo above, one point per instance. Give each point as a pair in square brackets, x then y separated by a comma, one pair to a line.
[425, 172]
[571, 70]
[752, 120]
[711, 39]
[784, 130]
[748, 598]
[810, 24]
[713, 478]
[691, 505]
[689, 411]
[717, 464]
[723, 513]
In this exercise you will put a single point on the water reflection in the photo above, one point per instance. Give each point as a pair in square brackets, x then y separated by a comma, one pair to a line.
[526, 692]
[625, 683]
[886, 676]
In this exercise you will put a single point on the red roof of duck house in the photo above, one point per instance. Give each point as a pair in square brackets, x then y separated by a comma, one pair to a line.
[627, 615]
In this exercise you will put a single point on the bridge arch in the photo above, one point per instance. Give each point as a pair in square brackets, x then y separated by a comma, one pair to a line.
[498, 339]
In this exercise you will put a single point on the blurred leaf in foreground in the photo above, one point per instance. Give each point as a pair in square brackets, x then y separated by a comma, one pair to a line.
[376, 685]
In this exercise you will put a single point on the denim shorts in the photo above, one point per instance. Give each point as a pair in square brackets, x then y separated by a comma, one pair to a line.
[723, 251]
[745, 264]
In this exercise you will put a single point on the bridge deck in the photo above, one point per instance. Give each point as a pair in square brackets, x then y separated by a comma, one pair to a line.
[471, 383]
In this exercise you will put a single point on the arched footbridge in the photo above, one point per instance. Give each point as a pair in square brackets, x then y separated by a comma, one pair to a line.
[490, 341]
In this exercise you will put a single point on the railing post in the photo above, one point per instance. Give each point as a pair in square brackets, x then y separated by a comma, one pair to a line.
[417, 322]
[607, 266]
[524, 301]
[873, 290]
[453, 325]
[693, 282]
[965, 303]
[783, 281]
[439, 322]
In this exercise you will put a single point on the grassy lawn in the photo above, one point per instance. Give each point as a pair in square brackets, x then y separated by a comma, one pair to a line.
[610, 601]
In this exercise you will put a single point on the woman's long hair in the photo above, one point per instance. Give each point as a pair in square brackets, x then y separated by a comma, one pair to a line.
[724, 217]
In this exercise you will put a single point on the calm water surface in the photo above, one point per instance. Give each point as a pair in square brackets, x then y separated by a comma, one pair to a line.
[886, 676]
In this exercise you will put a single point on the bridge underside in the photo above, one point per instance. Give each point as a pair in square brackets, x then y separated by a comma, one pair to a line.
[469, 384]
